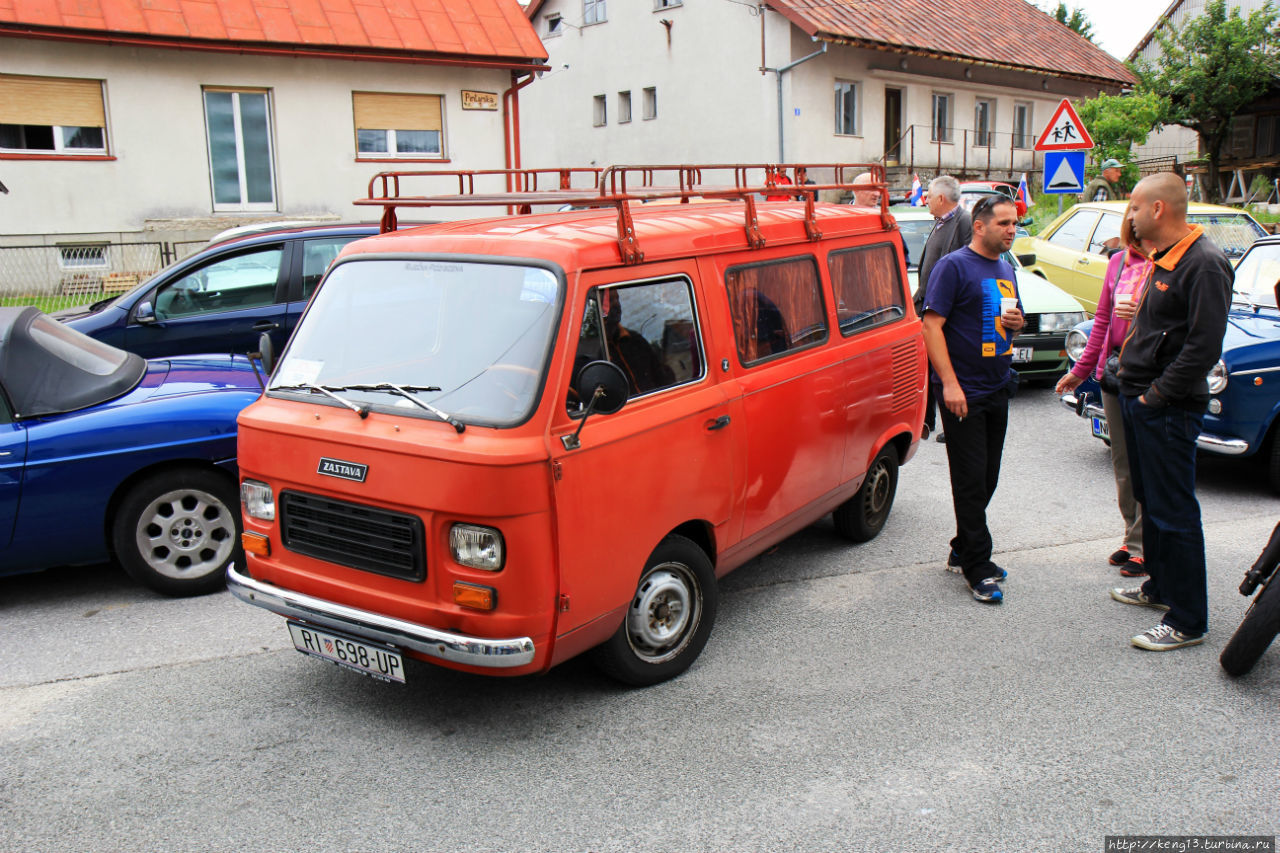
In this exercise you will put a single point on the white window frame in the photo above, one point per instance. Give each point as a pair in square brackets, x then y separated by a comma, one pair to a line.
[988, 132]
[936, 133]
[659, 5]
[855, 118]
[83, 256]
[593, 12]
[624, 107]
[1025, 135]
[649, 104]
[392, 150]
[599, 110]
[59, 144]
[555, 26]
[247, 206]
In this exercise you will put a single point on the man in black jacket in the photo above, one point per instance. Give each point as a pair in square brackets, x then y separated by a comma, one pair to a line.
[953, 230]
[1175, 339]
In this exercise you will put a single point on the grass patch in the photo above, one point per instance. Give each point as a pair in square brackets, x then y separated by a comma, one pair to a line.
[49, 304]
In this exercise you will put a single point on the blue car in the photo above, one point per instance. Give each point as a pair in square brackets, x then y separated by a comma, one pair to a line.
[104, 454]
[221, 298]
[1244, 384]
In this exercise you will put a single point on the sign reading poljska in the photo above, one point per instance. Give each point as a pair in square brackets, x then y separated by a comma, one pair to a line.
[1063, 172]
[1065, 131]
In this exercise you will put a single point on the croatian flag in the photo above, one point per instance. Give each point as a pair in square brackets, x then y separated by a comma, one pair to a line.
[1024, 194]
[916, 191]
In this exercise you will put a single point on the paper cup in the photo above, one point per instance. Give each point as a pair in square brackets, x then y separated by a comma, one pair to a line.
[1008, 303]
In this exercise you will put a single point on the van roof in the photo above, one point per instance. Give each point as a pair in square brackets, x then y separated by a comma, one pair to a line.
[588, 239]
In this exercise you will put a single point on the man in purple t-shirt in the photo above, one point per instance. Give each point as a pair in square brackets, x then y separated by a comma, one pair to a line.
[970, 320]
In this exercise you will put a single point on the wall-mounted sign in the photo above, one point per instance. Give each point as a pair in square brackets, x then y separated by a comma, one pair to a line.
[479, 100]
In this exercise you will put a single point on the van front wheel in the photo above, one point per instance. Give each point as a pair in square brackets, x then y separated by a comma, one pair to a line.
[668, 619]
[863, 516]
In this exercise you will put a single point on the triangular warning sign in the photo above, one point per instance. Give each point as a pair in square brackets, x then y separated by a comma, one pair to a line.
[1065, 131]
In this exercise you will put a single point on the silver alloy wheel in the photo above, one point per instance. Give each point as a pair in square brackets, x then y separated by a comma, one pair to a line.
[664, 613]
[185, 533]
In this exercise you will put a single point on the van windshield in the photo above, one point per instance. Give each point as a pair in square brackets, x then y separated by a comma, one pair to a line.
[475, 335]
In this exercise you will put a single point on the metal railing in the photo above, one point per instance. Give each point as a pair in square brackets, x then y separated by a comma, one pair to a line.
[964, 153]
[57, 277]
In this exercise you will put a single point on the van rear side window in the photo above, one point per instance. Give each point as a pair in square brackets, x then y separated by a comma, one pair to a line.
[777, 307]
[867, 286]
[649, 329]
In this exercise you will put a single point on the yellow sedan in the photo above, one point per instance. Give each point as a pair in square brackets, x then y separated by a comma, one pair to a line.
[1072, 251]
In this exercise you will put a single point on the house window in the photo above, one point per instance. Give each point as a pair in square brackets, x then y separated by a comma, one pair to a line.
[846, 108]
[52, 115]
[983, 119]
[624, 107]
[650, 103]
[659, 5]
[553, 25]
[394, 125]
[83, 256]
[941, 118]
[599, 111]
[1022, 125]
[240, 162]
[593, 12]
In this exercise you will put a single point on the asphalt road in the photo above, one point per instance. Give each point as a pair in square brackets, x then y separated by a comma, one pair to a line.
[850, 698]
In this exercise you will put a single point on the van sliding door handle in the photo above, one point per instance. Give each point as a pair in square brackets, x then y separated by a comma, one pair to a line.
[719, 423]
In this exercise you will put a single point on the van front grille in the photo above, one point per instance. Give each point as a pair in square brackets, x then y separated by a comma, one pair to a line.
[349, 534]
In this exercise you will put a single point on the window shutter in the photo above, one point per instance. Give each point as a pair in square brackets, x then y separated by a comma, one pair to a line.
[51, 101]
[382, 111]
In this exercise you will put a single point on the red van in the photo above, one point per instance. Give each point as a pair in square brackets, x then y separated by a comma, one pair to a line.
[497, 443]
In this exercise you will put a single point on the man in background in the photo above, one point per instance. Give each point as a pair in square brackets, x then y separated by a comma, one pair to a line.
[953, 229]
[1106, 187]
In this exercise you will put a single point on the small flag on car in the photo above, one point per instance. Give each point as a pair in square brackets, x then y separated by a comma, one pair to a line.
[916, 191]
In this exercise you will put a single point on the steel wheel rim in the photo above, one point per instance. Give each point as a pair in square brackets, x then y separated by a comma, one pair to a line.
[185, 533]
[664, 613]
[878, 487]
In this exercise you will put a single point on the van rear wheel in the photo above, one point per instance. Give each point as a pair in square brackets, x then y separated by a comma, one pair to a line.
[668, 619]
[863, 516]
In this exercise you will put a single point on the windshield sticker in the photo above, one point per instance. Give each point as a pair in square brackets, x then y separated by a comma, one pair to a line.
[433, 267]
[299, 371]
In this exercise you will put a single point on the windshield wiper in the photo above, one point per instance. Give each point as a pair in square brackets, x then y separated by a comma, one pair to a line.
[408, 391]
[327, 390]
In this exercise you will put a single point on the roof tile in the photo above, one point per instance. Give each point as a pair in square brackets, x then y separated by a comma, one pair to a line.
[278, 26]
[38, 12]
[204, 19]
[378, 26]
[163, 23]
[413, 35]
[240, 15]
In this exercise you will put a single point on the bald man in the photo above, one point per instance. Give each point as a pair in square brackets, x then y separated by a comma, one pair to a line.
[1175, 339]
[866, 198]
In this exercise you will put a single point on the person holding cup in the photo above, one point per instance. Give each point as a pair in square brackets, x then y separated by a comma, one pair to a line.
[971, 315]
[1127, 273]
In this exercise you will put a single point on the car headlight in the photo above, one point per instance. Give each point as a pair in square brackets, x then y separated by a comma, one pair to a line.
[1218, 377]
[258, 500]
[477, 547]
[1061, 321]
[1076, 341]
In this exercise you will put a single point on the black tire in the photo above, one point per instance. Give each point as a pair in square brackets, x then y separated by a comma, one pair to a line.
[863, 516]
[668, 620]
[177, 530]
[1259, 627]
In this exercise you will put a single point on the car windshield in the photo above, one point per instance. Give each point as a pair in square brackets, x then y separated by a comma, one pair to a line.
[914, 234]
[468, 339]
[1233, 232]
[1258, 274]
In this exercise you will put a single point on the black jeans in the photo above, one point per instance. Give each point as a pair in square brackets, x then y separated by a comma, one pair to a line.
[974, 447]
[1162, 465]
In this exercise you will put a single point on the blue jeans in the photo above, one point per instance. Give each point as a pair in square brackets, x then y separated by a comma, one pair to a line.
[1162, 465]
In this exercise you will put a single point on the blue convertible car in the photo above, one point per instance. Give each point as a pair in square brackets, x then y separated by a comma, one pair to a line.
[1244, 384]
[104, 454]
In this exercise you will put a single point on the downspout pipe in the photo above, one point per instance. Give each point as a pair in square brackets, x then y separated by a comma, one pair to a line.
[511, 121]
[779, 72]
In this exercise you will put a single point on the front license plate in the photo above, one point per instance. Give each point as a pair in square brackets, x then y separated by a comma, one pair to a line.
[1100, 428]
[1022, 355]
[375, 661]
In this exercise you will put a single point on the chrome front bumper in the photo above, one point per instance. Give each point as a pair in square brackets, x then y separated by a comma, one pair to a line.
[1211, 443]
[458, 648]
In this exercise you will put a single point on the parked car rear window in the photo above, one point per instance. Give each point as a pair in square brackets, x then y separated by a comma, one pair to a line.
[650, 330]
[777, 308]
[867, 286]
[1258, 274]
[1233, 233]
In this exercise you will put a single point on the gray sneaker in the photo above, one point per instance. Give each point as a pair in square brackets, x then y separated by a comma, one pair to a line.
[1136, 596]
[1161, 638]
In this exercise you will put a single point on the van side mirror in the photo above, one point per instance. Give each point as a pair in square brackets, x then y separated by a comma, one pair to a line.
[267, 355]
[604, 386]
[1027, 259]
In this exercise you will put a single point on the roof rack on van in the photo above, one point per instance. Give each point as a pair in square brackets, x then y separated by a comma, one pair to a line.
[619, 186]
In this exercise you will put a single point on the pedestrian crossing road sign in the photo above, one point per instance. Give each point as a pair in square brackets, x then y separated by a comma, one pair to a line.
[1063, 172]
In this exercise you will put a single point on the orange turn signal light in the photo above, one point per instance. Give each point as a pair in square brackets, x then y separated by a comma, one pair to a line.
[256, 543]
[474, 595]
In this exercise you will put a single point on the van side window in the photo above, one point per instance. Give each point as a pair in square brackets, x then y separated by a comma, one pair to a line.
[776, 307]
[868, 287]
[649, 329]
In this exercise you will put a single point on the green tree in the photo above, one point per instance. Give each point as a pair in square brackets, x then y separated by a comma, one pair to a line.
[1074, 19]
[1210, 69]
[1117, 123]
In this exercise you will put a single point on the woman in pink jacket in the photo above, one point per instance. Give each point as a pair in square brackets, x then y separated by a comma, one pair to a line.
[1127, 273]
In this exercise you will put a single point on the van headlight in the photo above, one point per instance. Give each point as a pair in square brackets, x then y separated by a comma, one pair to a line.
[1076, 341]
[1218, 377]
[258, 500]
[477, 547]
[1060, 321]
